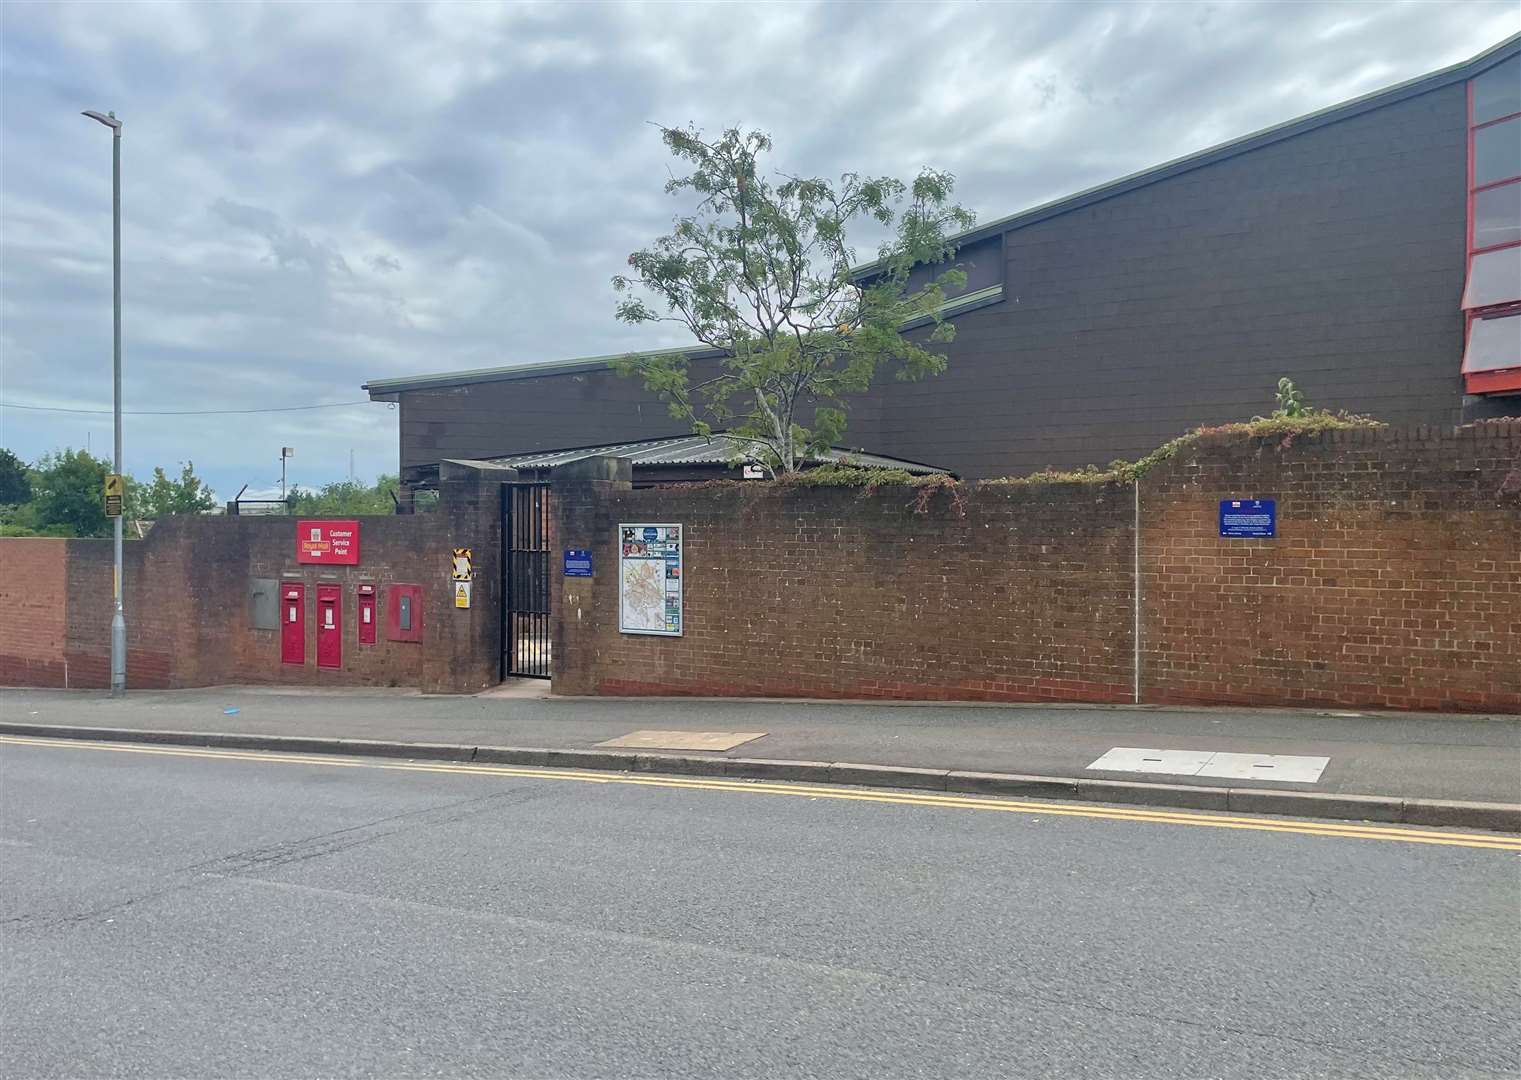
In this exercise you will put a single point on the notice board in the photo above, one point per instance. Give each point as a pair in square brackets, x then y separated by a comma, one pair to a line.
[1249, 518]
[649, 579]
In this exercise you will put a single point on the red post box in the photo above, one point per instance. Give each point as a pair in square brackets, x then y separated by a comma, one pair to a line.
[366, 606]
[329, 626]
[292, 623]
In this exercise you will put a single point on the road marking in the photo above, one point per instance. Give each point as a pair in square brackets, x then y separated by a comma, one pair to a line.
[1289, 768]
[1345, 830]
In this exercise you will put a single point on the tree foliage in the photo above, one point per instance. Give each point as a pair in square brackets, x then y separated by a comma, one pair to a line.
[68, 494]
[64, 495]
[346, 497]
[162, 496]
[761, 272]
[15, 484]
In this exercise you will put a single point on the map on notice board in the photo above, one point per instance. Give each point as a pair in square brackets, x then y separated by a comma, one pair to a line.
[649, 579]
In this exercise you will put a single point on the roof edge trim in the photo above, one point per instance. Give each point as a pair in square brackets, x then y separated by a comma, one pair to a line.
[521, 371]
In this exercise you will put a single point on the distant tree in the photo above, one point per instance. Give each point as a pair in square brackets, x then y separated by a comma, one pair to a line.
[162, 496]
[762, 273]
[15, 484]
[68, 494]
[346, 497]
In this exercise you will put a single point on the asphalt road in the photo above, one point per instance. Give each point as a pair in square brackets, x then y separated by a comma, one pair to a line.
[172, 912]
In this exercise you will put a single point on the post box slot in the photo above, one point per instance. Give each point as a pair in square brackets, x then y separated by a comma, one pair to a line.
[293, 625]
[330, 627]
[365, 627]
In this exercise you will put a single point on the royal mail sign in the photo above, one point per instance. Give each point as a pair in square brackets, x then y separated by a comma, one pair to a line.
[331, 542]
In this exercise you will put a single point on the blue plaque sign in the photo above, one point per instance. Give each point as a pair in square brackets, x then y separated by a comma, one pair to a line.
[578, 562]
[1253, 518]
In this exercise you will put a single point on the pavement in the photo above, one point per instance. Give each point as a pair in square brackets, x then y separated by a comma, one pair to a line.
[168, 911]
[1382, 766]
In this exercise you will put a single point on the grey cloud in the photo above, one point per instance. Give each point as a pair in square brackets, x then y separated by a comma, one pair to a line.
[287, 246]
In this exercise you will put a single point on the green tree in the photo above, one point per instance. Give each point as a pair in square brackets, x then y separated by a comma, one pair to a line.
[162, 496]
[68, 494]
[346, 497]
[15, 484]
[762, 272]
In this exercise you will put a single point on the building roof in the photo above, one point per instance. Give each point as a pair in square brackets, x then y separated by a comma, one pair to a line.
[380, 389]
[385, 389]
[685, 450]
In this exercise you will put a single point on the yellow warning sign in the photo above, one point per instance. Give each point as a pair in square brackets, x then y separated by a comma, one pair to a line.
[462, 594]
[115, 486]
[463, 566]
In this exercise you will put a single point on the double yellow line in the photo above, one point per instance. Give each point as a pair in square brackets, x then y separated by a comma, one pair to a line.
[1344, 830]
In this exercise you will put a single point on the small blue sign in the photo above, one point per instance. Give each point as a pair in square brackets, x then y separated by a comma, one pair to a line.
[578, 562]
[651, 533]
[1252, 518]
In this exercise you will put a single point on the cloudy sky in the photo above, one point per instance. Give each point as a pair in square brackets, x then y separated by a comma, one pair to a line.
[317, 194]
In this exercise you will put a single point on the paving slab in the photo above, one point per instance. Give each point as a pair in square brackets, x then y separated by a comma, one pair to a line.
[683, 740]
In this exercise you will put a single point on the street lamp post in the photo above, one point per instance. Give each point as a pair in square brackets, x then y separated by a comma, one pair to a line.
[118, 617]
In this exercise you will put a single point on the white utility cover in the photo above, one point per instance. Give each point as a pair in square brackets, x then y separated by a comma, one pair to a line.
[1289, 768]
[1135, 759]
[1293, 768]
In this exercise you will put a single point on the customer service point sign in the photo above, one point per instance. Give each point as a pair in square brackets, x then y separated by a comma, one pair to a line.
[328, 543]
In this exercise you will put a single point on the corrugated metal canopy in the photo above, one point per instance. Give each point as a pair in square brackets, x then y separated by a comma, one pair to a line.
[697, 450]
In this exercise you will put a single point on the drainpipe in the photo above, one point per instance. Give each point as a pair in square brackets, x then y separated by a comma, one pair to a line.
[1135, 590]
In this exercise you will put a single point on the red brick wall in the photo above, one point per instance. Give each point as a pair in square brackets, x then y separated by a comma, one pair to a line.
[836, 593]
[33, 599]
[157, 635]
[1394, 581]
[186, 602]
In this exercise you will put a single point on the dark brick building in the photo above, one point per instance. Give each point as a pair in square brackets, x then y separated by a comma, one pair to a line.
[1370, 251]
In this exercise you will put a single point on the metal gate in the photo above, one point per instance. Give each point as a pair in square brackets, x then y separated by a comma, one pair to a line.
[525, 580]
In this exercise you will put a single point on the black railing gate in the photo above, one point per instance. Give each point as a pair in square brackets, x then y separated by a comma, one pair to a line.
[525, 580]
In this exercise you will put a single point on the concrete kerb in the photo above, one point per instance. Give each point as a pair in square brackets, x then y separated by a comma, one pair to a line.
[986, 783]
[896, 776]
[1190, 796]
[430, 751]
[512, 755]
[1450, 813]
[1317, 804]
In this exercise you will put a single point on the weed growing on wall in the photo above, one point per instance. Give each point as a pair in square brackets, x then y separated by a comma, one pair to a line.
[1290, 421]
